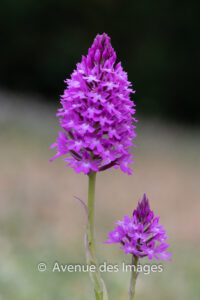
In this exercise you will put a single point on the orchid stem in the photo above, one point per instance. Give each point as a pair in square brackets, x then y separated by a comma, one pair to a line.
[95, 276]
[133, 277]
[91, 198]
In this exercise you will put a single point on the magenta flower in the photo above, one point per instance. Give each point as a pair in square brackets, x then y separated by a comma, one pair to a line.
[97, 113]
[141, 235]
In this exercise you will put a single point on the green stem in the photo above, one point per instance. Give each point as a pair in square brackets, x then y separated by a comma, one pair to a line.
[133, 277]
[91, 194]
[95, 276]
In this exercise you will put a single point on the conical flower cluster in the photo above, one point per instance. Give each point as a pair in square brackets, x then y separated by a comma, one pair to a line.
[97, 113]
[141, 235]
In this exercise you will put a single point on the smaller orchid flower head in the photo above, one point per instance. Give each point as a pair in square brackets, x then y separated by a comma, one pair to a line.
[141, 235]
[97, 113]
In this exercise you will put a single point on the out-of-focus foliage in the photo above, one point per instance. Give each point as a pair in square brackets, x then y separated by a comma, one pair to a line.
[41, 41]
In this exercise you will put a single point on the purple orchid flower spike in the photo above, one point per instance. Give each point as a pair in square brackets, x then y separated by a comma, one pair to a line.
[97, 113]
[141, 236]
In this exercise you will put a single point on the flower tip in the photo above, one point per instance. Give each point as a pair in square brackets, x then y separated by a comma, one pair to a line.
[144, 198]
[104, 35]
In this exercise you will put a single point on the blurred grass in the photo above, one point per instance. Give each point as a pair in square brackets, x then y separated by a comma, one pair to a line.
[41, 221]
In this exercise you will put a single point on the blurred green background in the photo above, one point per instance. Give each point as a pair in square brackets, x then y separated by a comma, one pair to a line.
[40, 221]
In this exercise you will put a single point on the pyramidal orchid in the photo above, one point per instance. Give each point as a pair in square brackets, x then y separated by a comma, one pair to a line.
[97, 113]
[97, 122]
[141, 236]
